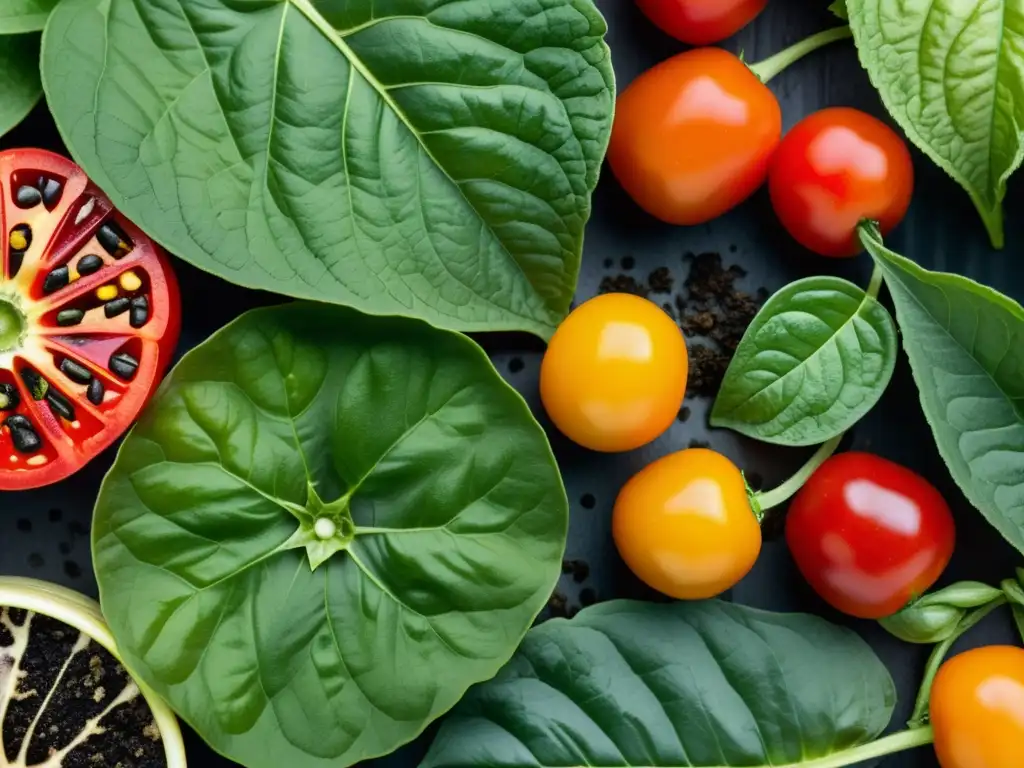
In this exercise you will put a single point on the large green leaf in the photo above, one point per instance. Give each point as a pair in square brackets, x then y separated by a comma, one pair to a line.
[19, 78]
[20, 16]
[952, 75]
[817, 357]
[684, 684]
[432, 158]
[966, 348]
[323, 530]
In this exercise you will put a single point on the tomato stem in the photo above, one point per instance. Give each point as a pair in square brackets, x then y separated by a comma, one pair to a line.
[773, 65]
[788, 489]
[938, 655]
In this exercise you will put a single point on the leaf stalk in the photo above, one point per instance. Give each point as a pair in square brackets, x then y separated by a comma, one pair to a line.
[773, 65]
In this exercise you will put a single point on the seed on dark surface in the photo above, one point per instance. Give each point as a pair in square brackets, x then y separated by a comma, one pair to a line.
[37, 385]
[89, 264]
[20, 238]
[68, 317]
[116, 307]
[113, 241]
[587, 501]
[95, 392]
[684, 414]
[23, 436]
[124, 366]
[628, 262]
[75, 371]
[57, 279]
[9, 397]
[60, 405]
[140, 312]
[515, 365]
[51, 189]
[28, 197]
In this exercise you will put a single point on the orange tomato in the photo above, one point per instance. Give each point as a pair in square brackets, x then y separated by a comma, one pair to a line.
[977, 709]
[614, 375]
[693, 136]
[684, 525]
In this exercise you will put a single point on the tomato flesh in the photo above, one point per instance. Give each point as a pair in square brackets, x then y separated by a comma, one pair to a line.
[89, 318]
[694, 135]
[977, 709]
[869, 535]
[701, 22]
[835, 169]
[684, 525]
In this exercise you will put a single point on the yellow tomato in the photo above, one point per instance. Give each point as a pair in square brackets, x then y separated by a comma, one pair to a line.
[977, 709]
[684, 525]
[614, 375]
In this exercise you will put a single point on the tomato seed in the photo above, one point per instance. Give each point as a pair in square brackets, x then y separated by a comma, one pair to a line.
[140, 312]
[28, 197]
[60, 405]
[51, 189]
[95, 392]
[68, 317]
[116, 307]
[130, 281]
[20, 238]
[89, 264]
[9, 397]
[23, 436]
[57, 279]
[74, 371]
[106, 292]
[113, 241]
[124, 366]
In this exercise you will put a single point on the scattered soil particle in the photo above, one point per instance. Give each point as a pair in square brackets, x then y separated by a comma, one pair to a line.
[661, 280]
[628, 262]
[684, 414]
[707, 369]
[623, 284]
[558, 605]
[578, 569]
[587, 597]
[695, 443]
[588, 501]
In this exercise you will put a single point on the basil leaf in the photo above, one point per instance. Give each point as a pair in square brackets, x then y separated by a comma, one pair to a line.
[683, 684]
[20, 89]
[323, 530]
[420, 158]
[815, 359]
[966, 348]
[952, 75]
[20, 16]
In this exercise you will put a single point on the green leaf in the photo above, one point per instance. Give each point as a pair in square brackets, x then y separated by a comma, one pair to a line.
[838, 8]
[19, 78]
[683, 684]
[427, 158]
[323, 530]
[817, 357]
[20, 16]
[966, 348]
[952, 75]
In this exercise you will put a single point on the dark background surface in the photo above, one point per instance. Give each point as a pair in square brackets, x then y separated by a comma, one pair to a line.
[45, 533]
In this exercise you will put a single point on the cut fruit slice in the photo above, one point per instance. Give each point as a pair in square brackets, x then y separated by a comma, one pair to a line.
[89, 319]
[65, 697]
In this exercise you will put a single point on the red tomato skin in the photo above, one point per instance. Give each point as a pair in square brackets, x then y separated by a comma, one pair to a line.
[869, 535]
[693, 136]
[834, 169]
[701, 22]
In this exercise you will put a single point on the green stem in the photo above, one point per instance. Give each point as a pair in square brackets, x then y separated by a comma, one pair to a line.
[938, 655]
[773, 65]
[888, 745]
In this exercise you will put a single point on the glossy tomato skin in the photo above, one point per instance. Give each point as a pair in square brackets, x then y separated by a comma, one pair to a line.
[977, 709]
[614, 375]
[693, 136]
[701, 22]
[869, 535]
[684, 525]
[835, 169]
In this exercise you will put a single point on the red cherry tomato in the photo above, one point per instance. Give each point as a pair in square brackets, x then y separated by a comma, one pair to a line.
[835, 169]
[89, 318]
[869, 535]
[701, 22]
[693, 136]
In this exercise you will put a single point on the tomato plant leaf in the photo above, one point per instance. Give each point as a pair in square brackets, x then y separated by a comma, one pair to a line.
[684, 684]
[21, 16]
[965, 343]
[838, 8]
[427, 158]
[20, 89]
[817, 357]
[323, 530]
[952, 76]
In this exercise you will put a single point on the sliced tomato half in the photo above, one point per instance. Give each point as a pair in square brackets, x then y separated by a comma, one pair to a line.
[89, 319]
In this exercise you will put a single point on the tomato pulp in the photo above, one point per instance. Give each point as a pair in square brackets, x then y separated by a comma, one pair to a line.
[869, 535]
[835, 169]
[977, 709]
[693, 136]
[701, 22]
[685, 527]
[89, 318]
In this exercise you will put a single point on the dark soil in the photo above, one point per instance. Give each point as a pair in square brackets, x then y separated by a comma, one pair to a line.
[82, 680]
